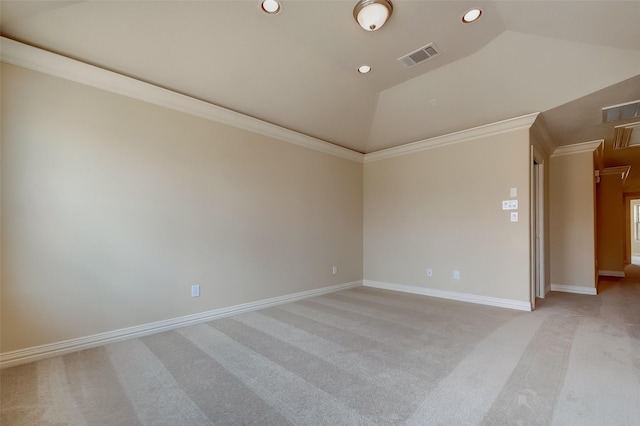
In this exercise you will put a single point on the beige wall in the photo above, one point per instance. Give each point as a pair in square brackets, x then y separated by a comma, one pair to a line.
[112, 208]
[572, 219]
[442, 209]
[611, 223]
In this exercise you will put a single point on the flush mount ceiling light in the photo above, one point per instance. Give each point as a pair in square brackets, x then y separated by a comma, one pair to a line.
[372, 14]
[270, 6]
[471, 16]
[363, 69]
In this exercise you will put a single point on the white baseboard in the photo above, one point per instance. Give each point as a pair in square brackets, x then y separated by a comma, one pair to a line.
[36, 353]
[574, 289]
[452, 295]
[604, 273]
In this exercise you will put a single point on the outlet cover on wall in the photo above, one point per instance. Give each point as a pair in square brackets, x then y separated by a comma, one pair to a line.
[335, 270]
[456, 275]
[195, 290]
[429, 272]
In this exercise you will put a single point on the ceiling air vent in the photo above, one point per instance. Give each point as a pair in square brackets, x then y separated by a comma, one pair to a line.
[419, 56]
[620, 112]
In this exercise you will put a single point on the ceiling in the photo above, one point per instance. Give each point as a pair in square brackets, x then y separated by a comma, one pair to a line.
[297, 69]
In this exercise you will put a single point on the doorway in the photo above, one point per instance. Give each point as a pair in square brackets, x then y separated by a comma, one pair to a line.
[537, 228]
[632, 227]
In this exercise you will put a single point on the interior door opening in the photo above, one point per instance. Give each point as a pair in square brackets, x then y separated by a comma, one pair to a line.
[537, 231]
[632, 249]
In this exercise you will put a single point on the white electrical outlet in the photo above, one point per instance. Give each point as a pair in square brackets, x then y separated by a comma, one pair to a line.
[195, 290]
[514, 216]
[456, 275]
[513, 192]
[335, 270]
[429, 272]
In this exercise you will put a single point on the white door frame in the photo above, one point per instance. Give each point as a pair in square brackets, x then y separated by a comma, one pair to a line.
[537, 227]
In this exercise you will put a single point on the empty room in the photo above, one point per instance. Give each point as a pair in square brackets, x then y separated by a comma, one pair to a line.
[347, 212]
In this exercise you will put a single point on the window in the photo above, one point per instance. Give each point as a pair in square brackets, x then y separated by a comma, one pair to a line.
[636, 221]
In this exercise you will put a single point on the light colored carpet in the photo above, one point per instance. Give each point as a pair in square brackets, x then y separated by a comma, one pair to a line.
[358, 357]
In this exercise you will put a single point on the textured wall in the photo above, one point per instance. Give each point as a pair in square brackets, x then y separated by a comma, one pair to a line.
[611, 222]
[112, 208]
[442, 209]
[572, 218]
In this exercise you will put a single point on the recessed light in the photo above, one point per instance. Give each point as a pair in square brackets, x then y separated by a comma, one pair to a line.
[471, 16]
[270, 6]
[363, 69]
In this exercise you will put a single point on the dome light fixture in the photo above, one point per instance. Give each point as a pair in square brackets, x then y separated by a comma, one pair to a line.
[270, 6]
[363, 69]
[372, 14]
[471, 16]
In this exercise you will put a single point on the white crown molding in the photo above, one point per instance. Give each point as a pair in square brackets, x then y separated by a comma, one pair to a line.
[36, 59]
[574, 289]
[451, 295]
[577, 148]
[599, 156]
[523, 122]
[541, 133]
[622, 171]
[22, 356]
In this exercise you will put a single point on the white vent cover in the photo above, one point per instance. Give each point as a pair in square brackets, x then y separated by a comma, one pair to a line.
[620, 112]
[419, 56]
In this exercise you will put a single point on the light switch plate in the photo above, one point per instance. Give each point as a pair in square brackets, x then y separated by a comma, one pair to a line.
[510, 205]
[514, 216]
[513, 192]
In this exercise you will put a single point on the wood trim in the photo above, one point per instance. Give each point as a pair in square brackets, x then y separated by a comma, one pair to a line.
[574, 289]
[452, 295]
[605, 273]
[577, 148]
[523, 122]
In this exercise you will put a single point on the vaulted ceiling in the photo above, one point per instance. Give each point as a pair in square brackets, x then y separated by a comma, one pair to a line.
[298, 68]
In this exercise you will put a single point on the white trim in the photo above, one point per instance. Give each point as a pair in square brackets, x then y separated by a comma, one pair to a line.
[574, 289]
[30, 57]
[523, 122]
[537, 199]
[605, 273]
[623, 171]
[36, 353]
[452, 295]
[541, 133]
[577, 148]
